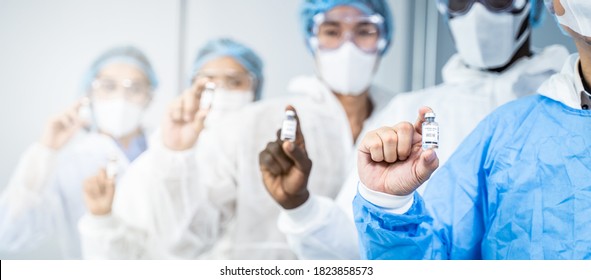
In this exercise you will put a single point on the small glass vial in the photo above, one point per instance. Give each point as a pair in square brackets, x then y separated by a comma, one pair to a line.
[430, 132]
[84, 111]
[112, 168]
[207, 96]
[290, 125]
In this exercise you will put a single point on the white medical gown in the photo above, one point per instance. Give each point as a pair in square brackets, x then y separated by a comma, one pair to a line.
[210, 202]
[324, 228]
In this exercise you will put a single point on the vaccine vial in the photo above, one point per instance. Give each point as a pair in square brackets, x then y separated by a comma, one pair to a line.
[207, 96]
[430, 132]
[84, 111]
[112, 167]
[289, 127]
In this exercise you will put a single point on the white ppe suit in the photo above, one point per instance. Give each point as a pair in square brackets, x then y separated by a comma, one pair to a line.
[323, 228]
[210, 202]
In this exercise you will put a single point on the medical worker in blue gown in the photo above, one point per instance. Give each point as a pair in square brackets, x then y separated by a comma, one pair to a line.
[44, 195]
[519, 187]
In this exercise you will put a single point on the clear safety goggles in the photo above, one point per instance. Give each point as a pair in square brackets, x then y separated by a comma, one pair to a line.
[228, 79]
[366, 32]
[461, 7]
[107, 88]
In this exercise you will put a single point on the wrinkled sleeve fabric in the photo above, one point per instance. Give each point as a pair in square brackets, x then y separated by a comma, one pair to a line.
[155, 201]
[319, 229]
[30, 203]
[447, 223]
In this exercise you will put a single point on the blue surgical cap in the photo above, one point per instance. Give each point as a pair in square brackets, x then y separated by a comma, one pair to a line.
[124, 54]
[310, 8]
[536, 15]
[242, 54]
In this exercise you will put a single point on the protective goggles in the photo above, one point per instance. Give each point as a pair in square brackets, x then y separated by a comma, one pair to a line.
[366, 32]
[111, 88]
[461, 7]
[228, 79]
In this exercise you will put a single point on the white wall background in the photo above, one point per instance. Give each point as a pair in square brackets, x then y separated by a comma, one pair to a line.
[46, 46]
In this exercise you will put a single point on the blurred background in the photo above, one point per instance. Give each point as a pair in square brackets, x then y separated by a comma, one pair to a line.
[46, 47]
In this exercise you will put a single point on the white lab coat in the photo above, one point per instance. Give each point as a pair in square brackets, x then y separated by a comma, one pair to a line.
[323, 228]
[45, 194]
[210, 202]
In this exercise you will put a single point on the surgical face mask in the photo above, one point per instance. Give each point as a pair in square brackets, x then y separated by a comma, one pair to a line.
[577, 16]
[487, 40]
[346, 70]
[117, 117]
[227, 101]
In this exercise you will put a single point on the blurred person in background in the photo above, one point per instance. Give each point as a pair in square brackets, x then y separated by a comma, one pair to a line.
[44, 195]
[495, 64]
[230, 214]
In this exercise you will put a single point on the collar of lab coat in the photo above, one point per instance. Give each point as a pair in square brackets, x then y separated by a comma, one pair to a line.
[314, 88]
[456, 71]
[565, 87]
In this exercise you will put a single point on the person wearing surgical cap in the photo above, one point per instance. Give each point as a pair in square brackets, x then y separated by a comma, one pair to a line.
[517, 188]
[494, 64]
[234, 74]
[231, 214]
[44, 195]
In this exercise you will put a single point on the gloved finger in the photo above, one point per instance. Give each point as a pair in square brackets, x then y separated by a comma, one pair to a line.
[109, 189]
[372, 145]
[75, 118]
[300, 141]
[275, 149]
[78, 103]
[64, 121]
[421, 119]
[268, 164]
[298, 155]
[427, 164]
[91, 187]
[102, 180]
[199, 120]
[405, 132]
[389, 140]
[197, 88]
[176, 110]
[190, 106]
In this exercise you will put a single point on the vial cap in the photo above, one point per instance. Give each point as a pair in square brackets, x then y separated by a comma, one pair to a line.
[429, 115]
[290, 113]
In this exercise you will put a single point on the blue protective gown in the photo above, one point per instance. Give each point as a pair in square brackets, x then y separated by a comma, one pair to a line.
[519, 187]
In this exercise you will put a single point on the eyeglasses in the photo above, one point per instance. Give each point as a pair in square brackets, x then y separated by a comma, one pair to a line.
[134, 91]
[366, 32]
[228, 79]
[461, 7]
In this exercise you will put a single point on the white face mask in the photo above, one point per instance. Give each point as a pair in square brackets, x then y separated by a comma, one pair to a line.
[117, 117]
[346, 70]
[577, 16]
[485, 39]
[227, 101]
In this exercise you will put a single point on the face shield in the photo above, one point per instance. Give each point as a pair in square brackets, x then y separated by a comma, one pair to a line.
[365, 32]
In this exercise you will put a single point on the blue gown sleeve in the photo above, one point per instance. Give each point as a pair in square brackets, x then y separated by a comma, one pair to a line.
[447, 223]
